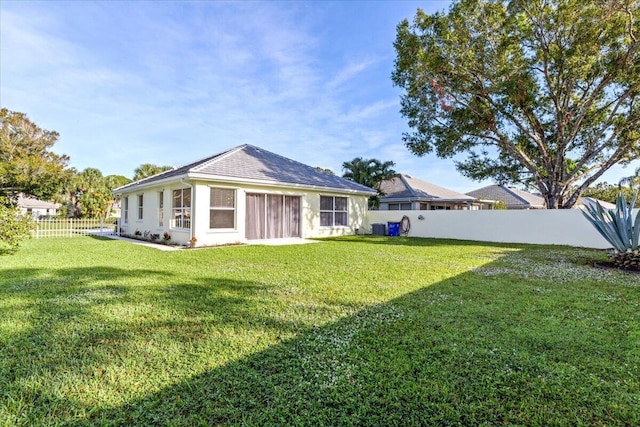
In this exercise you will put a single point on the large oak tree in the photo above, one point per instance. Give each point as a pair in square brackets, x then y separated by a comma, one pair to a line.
[27, 164]
[540, 92]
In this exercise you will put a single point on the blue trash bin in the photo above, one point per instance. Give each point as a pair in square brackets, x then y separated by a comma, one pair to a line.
[394, 228]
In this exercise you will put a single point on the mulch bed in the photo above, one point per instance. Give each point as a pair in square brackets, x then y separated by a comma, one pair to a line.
[611, 266]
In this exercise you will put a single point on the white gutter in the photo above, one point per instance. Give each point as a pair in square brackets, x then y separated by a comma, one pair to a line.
[423, 199]
[252, 181]
[235, 180]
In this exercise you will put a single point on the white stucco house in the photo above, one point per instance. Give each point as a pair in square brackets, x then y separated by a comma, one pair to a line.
[37, 208]
[512, 197]
[405, 192]
[242, 194]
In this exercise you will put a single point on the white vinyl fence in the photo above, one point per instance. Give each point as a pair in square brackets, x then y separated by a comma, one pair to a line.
[554, 227]
[72, 227]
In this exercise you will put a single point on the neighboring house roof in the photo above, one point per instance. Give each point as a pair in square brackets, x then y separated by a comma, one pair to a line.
[247, 163]
[407, 188]
[590, 201]
[512, 197]
[33, 203]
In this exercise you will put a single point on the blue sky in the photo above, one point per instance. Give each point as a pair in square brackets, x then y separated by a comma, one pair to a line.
[126, 83]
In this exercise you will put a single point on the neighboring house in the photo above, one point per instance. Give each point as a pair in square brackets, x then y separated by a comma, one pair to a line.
[404, 192]
[245, 193]
[590, 201]
[37, 208]
[512, 197]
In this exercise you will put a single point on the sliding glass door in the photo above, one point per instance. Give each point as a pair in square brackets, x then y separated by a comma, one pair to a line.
[272, 216]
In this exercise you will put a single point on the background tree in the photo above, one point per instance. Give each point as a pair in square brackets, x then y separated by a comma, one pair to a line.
[88, 195]
[544, 93]
[26, 163]
[607, 192]
[632, 181]
[95, 197]
[147, 169]
[369, 172]
[112, 182]
[327, 170]
[500, 205]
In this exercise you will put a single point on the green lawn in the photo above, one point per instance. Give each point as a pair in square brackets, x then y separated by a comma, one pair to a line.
[351, 331]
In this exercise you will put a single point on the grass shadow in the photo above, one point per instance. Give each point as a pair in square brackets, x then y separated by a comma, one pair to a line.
[416, 241]
[5, 251]
[85, 321]
[424, 358]
[503, 343]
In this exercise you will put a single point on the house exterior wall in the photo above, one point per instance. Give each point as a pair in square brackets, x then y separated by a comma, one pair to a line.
[38, 212]
[200, 211]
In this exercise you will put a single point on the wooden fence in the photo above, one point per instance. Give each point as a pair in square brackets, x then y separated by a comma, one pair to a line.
[73, 227]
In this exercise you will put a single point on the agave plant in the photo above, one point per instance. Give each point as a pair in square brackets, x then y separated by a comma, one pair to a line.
[620, 229]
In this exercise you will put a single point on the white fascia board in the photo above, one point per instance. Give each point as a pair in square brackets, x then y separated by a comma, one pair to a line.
[264, 183]
[423, 199]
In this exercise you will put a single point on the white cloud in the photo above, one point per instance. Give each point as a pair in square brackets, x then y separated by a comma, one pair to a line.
[172, 82]
[348, 73]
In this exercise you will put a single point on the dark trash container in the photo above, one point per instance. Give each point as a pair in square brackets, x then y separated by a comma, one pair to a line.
[378, 229]
[394, 228]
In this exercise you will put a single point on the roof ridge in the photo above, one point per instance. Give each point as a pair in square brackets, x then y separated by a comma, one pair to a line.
[407, 185]
[214, 158]
[485, 187]
[285, 158]
[513, 191]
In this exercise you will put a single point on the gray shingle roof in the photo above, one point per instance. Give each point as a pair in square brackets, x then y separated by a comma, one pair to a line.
[247, 162]
[410, 188]
[33, 203]
[512, 197]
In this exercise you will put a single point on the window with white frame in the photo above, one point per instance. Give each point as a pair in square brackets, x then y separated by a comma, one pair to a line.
[181, 208]
[140, 206]
[125, 205]
[160, 208]
[222, 204]
[333, 211]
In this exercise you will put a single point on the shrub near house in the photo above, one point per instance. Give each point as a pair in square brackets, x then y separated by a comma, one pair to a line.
[14, 227]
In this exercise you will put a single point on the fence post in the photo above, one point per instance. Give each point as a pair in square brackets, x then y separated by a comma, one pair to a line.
[70, 227]
[101, 227]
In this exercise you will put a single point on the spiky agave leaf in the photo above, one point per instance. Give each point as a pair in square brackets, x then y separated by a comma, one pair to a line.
[617, 225]
[596, 216]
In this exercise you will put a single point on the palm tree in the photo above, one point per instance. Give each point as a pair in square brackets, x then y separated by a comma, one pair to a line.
[112, 182]
[369, 172]
[146, 170]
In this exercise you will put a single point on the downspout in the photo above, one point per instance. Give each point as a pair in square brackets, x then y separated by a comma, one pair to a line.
[193, 210]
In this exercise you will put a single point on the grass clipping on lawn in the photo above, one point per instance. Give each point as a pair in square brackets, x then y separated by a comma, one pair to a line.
[349, 331]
